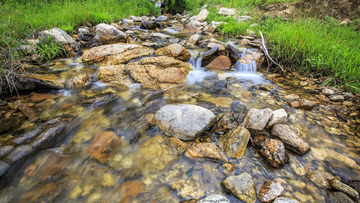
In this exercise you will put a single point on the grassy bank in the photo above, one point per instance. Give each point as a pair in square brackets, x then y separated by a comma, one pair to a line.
[18, 16]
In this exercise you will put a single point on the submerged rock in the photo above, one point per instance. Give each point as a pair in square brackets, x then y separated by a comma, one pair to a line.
[161, 69]
[340, 197]
[188, 189]
[285, 200]
[103, 145]
[207, 151]
[19, 153]
[4, 167]
[184, 121]
[160, 35]
[338, 185]
[257, 119]
[114, 75]
[114, 54]
[234, 142]
[241, 186]
[271, 150]
[269, 191]
[48, 135]
[291, 139]
[175, 50]
[109, 34]
[321, 178]
[214, 198]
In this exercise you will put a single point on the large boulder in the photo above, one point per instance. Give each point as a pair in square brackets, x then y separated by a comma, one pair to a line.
[220, 63]
[109, 34]
[290, 138]
[257, 119]
[206, 151]
[58, 35]
[114, 54]
[234, 142]
[241, 186]
[114, 75]
[175, 50]
[184, 121]
[271, 150]
[161, 69]
[150, 25]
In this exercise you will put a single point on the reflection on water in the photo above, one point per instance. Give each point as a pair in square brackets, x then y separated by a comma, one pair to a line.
[138, 163]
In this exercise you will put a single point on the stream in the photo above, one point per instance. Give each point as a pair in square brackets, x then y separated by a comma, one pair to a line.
[143, 165]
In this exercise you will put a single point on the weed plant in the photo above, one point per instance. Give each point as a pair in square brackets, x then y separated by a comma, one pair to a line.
[48, 49]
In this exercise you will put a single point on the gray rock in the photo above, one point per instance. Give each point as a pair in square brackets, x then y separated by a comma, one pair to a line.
[161, 18]
[291, 139]
[234, 142]
[243, 18]
[277, 117]
[144, 36]
[285, 200]
[328, 92]
[338, 185]
[150, 25]
[214, 198]
[241, 186]
[226, 11]
[340, 197]
[18, 153]
[160, 35]
[109, 34]
[321, 178]
[336, 98]
[232, 52]
[184, 121]
[4, 150]
[58, 35]
[193, 40]
[209, 56]
[48, 135]
[257, 119]
[202, 15]
[269, 191]
[4, 167]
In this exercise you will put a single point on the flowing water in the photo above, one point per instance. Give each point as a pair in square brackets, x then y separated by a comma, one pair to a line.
[144, 167]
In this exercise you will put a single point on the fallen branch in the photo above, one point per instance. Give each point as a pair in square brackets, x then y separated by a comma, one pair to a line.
[268, 57]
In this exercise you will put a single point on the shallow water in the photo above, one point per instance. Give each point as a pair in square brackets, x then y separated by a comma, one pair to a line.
[144, 167]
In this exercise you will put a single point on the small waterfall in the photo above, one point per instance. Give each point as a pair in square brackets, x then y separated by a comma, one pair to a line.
[246, 68]
[196, 64]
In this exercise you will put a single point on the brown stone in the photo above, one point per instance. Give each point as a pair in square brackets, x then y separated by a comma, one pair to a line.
[114, 75]
[302, 104]
[38, 97]
[81, 81]
[130, 190]
[206, 150]
[28, 112]
[103, 145]
[109, 34]
[220, 63]
[290, 138]
[235, 141]
[271, 150]
[175, 50]
[269, 191]
[220, 51]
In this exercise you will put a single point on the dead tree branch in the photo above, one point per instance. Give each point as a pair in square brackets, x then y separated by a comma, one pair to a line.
[268, 57]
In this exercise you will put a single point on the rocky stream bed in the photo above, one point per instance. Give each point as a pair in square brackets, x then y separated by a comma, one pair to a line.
[164, 110]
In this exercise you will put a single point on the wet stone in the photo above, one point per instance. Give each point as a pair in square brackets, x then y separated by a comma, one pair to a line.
[18, 153]
[236, 107]
[269, 191]
[271, 150]
[267, 87]
[302, 104]
[291, 97]
[257, 119]
[339, 197]
[4, 167]
[103, 145]
[290, 138]
[48, 135]
[321, 178]
[215, 198]
[241, 186]
[234, 142]
[285, 200]
[207, 151]
[327, 92]
[337, 98]
[278, 117]
[338, 185]
[4, 150]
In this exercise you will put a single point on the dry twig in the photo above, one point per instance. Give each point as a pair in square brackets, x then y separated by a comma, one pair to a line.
[268, 57]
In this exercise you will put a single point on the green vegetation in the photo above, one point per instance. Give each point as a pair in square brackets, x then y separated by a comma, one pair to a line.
[48, 49]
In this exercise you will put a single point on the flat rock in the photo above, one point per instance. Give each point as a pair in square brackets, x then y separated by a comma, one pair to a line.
[241, 186]
[206, 151]
[338, 185]
[291, 139]
[291, 97]
[271, 150]
[18, 153]
[4, 167]
[302, 104]
[285, 200]
[340, 197]
[103, 145]
[257, 119]
[234, 142]
[269, 191]
[328, 92]
[277, 117]
[226, 11]
[26, 136]
[214, 198]
[221, 50]
[321, 178]
[51, 133]
[156, 70]
[160, 35]
[144, 36]
[336, 98]
[184, 121]
[109, 34]
[4, 150]
[114, 54]
[115, 74]
[175, 50]
[267, 87]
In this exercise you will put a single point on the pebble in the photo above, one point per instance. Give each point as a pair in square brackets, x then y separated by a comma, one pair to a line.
[337, 98]
[338, 185]
[321, 178]
[327, 92]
